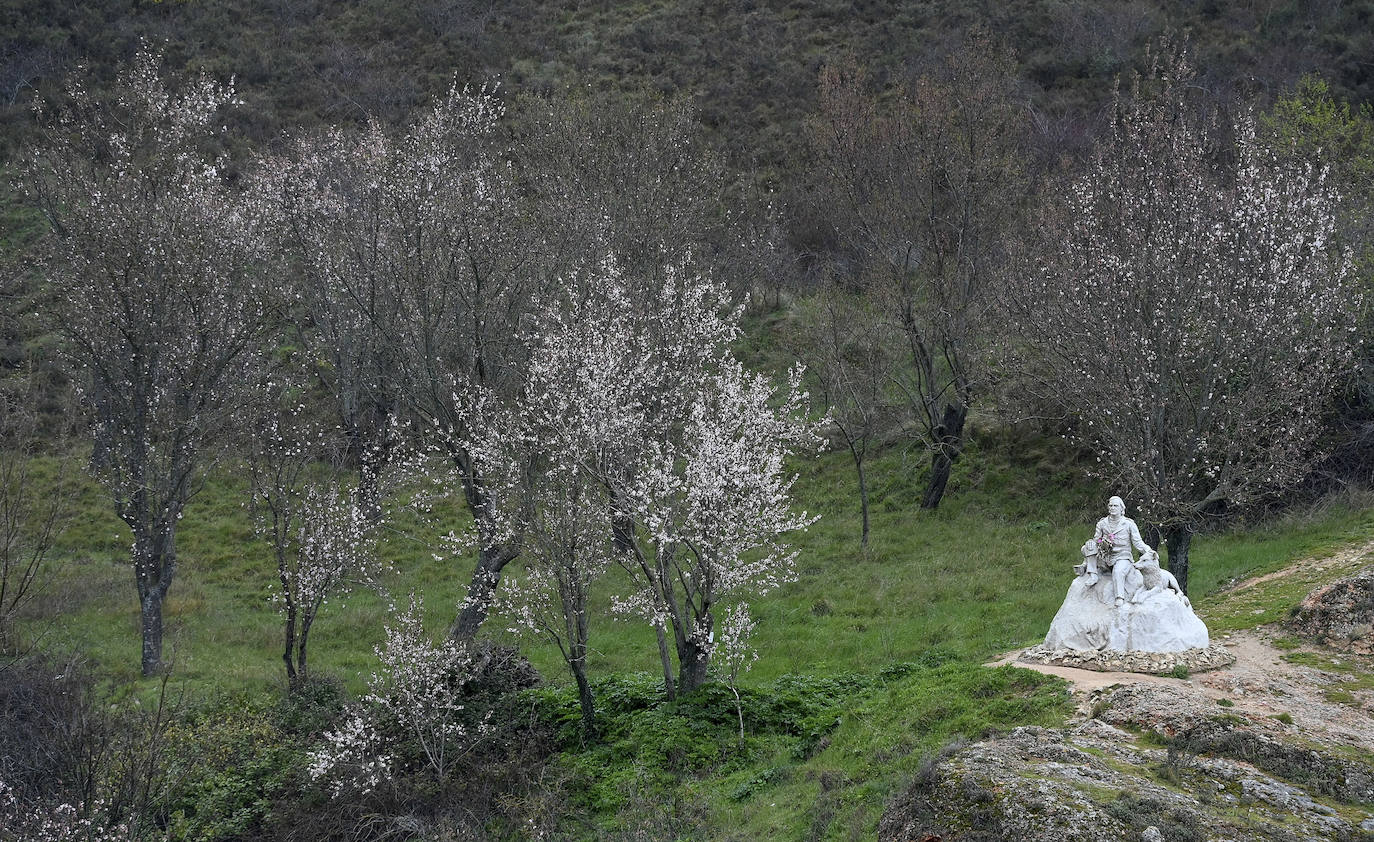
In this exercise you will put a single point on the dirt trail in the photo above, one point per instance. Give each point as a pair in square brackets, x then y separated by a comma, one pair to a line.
[1333, 705]
[1335, 560]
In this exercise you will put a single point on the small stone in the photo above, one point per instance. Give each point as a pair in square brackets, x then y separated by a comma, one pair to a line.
[1151, 834]
[1367, 824]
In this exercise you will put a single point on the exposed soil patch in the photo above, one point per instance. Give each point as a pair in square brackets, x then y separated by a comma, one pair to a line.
[1265, 683]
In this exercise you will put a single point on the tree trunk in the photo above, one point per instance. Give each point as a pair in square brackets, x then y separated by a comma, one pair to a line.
[578, 665]
[863, 490]
[490, 562]
[154, 565]
[666, 656]
[693, 657]
[302, 663]
[289, 652]
[1177, 540]
[949, 444]
[150, 624]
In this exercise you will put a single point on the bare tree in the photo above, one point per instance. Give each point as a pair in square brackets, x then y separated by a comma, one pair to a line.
[329, 212]
[157, 266]
[924, 192]
[32, 512]
[636, 178]
[850, 357]
[1191, 310]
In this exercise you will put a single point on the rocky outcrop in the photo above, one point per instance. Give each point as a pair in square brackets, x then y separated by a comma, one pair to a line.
[1341, 614]
[1148, 762]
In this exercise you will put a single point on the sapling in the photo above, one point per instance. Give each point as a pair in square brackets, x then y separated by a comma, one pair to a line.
[738, 655]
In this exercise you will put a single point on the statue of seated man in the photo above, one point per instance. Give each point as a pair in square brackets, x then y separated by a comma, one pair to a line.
[1115, 535]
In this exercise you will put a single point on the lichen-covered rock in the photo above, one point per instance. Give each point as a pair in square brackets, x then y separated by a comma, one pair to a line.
[1341, 614]
[1193, 723]
[1216, 776]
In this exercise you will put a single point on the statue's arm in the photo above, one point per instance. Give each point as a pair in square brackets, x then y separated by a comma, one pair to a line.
[1138, 541]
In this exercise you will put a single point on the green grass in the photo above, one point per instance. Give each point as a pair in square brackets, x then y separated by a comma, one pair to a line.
[982, 575]
[869, 659]
[821, 754]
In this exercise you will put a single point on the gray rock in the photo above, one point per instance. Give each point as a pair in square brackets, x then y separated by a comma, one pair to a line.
[1341, 614]
[1213, 657]
[1100, 782]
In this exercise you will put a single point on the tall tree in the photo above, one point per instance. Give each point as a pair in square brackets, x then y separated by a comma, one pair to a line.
[924, 190]
[157, 265]
[1192, 308]
[418, 235]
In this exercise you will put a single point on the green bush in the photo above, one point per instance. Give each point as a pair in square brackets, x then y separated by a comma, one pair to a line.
[227, 763]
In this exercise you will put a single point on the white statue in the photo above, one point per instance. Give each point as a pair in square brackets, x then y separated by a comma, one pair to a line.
[1116, 534]
[1139, 608]
[1157, 579]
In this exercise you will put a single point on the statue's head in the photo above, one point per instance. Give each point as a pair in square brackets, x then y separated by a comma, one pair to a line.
[1116, 506]
[1147, 560]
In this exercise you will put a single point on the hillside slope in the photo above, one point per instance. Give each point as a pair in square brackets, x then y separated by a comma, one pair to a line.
[1275, 746]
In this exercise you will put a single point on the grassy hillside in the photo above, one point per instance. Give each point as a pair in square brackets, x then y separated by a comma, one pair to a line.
[750, 66]
[869, 662]
[981, 575]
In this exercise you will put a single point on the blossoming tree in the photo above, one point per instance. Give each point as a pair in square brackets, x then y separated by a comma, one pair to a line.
[417, 699]
[157, 265]
[1191, 310]
[413, 239]
[640, 440]
[322, 540]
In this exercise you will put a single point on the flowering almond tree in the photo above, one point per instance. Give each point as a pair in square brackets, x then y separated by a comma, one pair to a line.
[1192, 311]
[322, 540]
[414, 245]
[156, 263]
[417, 700]
[582, 408]
[644, 442]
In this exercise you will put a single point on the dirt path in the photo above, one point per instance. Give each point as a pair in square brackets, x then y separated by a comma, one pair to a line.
[1335, 560]
[1329, 705]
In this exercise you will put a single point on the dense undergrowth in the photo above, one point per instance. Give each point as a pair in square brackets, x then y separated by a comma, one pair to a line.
[870, 662]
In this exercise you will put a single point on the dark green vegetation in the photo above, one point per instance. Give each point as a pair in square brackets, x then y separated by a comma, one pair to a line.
[751, 67]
